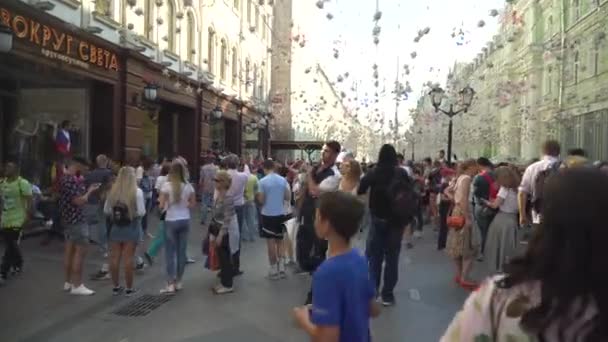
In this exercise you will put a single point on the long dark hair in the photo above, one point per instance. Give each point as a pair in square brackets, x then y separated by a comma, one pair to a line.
[568, 255]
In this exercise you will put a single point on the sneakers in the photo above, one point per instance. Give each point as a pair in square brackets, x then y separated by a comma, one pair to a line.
[273, 273]
[81, 291]
[149, 259]
[168, 290]
[130, 292]
[140, 265]
[282, 273]
[190, 261]
[15, 271]
[67, 286]
[418, 234]
[220, 290]
[388, 300]
[101, 275]
[116, 291]
[179, 286]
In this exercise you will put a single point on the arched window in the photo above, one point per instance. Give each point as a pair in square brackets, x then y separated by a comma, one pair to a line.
[235, 67]
[149, 19]
[255, 81]
[249, 13]
[263, 28]
[170, 20]
[105, 7]
[211, 51]
[247, 79]
[236, 4]
[549, 27]
[549, 80]
[576, 11]
[595, 52]
[191, 46]
[257, 18]
[262, 85]
[123, 12]
[223, 59]
[576, 66]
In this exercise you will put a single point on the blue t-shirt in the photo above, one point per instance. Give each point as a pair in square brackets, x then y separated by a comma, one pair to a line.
[273, 187]
[342, 291]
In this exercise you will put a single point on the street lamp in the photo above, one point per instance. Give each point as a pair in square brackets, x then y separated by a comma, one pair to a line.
[151, 92]
[437, 96]
[6, 38]
[217, 113]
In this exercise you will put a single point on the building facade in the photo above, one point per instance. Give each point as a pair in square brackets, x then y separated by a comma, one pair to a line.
[544, 75]
[92, 63]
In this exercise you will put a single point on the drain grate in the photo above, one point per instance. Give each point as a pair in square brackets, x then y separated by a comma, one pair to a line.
[142, 306]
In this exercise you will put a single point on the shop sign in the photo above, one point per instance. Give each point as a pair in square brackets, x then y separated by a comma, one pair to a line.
[57, 44]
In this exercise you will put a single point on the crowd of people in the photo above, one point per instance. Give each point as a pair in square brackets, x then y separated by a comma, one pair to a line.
[314, 216]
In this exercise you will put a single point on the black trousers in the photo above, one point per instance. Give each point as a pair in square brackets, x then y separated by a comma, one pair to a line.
[12, 254]
[227, 267]
[310, 252]
[384, 248]
[444, 208]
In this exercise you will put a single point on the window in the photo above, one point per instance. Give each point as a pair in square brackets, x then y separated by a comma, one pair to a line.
[149, 19]
[236, 4]
[596, 59]
[105, 7]
[235, 70]
[247, 75]
[576, 66]
[223, 59]
[255, 81]
[576, 10]
[249, 4]
[263, 28]
[549, 29]
[261, 93]
[549, 80]
[257, 18]
[123, 12]
[170, 20]
[211, 51]
[191, 36]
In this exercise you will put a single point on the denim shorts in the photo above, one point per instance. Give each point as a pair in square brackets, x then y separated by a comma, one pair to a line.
[78, 233]
[130, 233]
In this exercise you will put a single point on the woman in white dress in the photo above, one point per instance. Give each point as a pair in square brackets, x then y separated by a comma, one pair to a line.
[501, 243]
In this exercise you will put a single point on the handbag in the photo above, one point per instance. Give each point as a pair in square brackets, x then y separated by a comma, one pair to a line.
[213, 260]
[455, 222]
[214, 227]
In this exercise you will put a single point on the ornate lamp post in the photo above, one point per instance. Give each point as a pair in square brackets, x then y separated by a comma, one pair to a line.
[437, 95]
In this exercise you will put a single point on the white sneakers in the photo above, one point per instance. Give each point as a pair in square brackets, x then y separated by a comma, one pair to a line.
[80, 290]
[67, 286]
[179, 286]
[273, 273]
[282, 273]
[168, 290]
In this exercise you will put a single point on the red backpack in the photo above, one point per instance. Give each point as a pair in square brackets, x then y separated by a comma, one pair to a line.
[492, 186]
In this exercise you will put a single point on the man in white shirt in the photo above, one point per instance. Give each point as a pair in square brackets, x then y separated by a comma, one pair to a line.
[527, 188]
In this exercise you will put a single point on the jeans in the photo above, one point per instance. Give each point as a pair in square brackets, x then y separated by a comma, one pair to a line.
[144, 219]
[444, 208]
[384, 246]
[206, 204]
[483, 222]
[250, 214]
[240, 216]
[158, 240]
[97, 222]
[12, 254]
[176, 241]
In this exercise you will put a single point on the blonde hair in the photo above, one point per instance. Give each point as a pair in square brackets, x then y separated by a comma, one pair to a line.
[124, 190]
[355, 169]
[177, 178]
[223, 177]
[506, 176]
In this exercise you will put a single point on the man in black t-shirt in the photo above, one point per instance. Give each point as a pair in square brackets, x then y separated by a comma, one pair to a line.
[324, 177]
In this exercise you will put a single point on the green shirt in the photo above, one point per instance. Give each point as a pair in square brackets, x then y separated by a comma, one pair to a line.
[251, 188]
[14, 199]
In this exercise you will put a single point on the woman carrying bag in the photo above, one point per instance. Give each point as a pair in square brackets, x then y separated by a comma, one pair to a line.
[461, 244]
[125, 207]
[224, 230]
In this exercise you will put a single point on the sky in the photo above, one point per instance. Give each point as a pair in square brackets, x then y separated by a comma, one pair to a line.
[349, 31]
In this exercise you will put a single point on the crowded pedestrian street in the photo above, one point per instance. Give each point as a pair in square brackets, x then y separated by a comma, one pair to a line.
[259, 312]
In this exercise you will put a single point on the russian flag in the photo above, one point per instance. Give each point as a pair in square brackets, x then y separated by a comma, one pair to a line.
[62, 142]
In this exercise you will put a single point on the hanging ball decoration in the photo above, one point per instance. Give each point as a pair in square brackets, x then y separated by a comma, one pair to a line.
[481, 23]
[377, 15]
[320, 4]
[413, 54]
[493, 13]
[329, 16]
[376, 40]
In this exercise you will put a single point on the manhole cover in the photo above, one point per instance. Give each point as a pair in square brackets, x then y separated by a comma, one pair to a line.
[142, 306]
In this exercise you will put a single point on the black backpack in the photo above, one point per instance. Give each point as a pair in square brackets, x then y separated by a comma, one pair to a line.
[539, 185]
[403, 198]
[120, 215]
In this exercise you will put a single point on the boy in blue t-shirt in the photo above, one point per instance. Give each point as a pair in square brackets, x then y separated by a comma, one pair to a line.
[342, 292]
